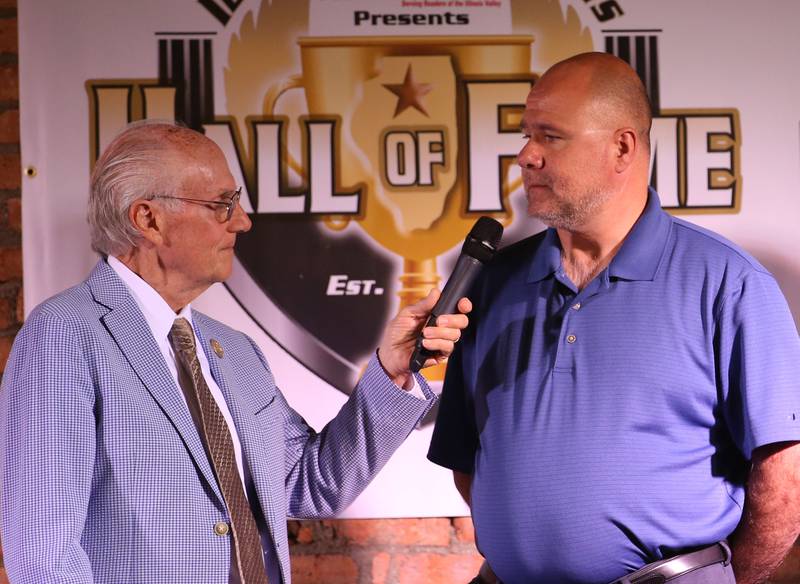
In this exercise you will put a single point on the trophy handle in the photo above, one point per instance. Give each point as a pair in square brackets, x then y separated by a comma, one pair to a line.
[271, 98]
[417, 280]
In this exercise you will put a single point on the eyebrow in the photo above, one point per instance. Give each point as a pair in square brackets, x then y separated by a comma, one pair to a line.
[545, 127]
[227, 195]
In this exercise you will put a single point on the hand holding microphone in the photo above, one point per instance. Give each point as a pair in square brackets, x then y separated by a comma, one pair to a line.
[479, 247]
[404, 335]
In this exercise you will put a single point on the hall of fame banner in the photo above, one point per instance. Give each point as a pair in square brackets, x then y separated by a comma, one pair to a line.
[369, 136]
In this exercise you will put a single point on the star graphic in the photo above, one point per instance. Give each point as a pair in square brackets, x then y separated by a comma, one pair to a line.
[409, 93]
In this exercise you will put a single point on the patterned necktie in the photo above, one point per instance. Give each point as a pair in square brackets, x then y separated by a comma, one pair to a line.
[215, 433]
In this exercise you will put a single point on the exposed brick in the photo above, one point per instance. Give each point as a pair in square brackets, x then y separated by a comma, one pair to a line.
[331, 569]
[9, 82]
[7, 313]
[433, 531]
[9, 127]
[464, 529]
[305, 532]
[8, 35]
[5, 349]
[305, 535]
[14, 209]
[10, 264]
[10, 171]
[291, 528]
[380, 568]
[20, 308]
[436, 568]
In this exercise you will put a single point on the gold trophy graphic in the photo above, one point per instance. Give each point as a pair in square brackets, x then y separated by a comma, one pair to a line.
[398, 104]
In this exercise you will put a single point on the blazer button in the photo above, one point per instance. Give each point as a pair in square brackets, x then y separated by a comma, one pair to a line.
[221, 528]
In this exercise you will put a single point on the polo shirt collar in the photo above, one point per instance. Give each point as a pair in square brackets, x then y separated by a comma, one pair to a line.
[547, 260]
[640, 254]
[637, 259]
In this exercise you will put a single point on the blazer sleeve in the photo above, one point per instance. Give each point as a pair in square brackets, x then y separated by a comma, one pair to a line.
[326, 471]
[47, 452]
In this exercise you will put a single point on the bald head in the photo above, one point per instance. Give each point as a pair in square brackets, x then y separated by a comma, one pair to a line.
[612, 89]
[585, 162]
[144, 160]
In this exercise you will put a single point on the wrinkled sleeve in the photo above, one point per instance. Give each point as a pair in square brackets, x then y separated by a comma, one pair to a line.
[327, 470]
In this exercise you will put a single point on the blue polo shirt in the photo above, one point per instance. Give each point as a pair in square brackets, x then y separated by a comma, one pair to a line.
[608, 427]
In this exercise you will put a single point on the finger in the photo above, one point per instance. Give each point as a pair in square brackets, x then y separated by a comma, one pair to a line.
[465, 305]
[442, 346]
[458, 321]
[439, 332]
[435, 361]
[424, 306]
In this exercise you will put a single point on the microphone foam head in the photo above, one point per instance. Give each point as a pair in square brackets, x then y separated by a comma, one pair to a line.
[483, 239]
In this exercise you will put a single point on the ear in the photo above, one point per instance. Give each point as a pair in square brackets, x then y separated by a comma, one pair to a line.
[626, 145]
[147, 219]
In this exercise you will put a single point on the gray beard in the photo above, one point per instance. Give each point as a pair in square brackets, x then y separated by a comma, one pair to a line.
[571, 215]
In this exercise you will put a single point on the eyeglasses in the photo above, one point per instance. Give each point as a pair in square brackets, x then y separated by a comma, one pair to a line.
[223, 210]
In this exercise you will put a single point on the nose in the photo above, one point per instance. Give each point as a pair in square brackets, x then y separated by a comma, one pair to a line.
[240, 221]
[530, 156]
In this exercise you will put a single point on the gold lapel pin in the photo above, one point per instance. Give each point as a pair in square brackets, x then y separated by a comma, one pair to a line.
[217, 348]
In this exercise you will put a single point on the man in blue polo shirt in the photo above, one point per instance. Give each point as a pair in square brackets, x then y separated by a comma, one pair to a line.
[627, 391]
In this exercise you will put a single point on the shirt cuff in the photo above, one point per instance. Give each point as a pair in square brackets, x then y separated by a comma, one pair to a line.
[416, 390]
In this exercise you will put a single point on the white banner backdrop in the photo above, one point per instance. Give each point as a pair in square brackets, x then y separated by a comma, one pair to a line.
[355, 188]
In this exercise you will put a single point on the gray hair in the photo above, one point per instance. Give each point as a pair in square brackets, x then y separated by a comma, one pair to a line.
[134, 166]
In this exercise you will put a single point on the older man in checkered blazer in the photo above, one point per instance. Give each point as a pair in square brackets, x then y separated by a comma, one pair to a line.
[144, 442]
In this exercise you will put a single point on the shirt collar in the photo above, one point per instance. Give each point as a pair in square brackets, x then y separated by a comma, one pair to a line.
[156, 311]
[548, 259]
[640, 254]
[637, 259]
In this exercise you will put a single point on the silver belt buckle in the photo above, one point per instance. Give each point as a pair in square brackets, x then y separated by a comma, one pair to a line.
[664, 570]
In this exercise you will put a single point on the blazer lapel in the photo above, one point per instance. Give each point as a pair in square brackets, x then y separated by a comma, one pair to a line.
[265, 466]
[130, 331]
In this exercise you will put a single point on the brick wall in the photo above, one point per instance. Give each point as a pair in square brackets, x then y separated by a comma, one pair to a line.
[380, 551]
[383, 551]
[10, 174]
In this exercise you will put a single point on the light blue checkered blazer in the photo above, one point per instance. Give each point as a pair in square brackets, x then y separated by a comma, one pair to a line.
[104, 476]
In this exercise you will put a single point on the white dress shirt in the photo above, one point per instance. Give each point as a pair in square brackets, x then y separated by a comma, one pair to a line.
[160, 317]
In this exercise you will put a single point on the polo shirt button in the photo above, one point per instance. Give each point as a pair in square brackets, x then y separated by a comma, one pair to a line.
[221, 528]
[571, 338]
[576, 306]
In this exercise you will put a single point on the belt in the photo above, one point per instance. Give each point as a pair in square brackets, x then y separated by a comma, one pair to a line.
[665, 570]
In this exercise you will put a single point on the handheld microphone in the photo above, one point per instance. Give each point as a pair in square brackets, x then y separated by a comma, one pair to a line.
[479, 247]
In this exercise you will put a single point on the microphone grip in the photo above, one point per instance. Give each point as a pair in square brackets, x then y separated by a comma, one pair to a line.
[421, 354]
[465, 272]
